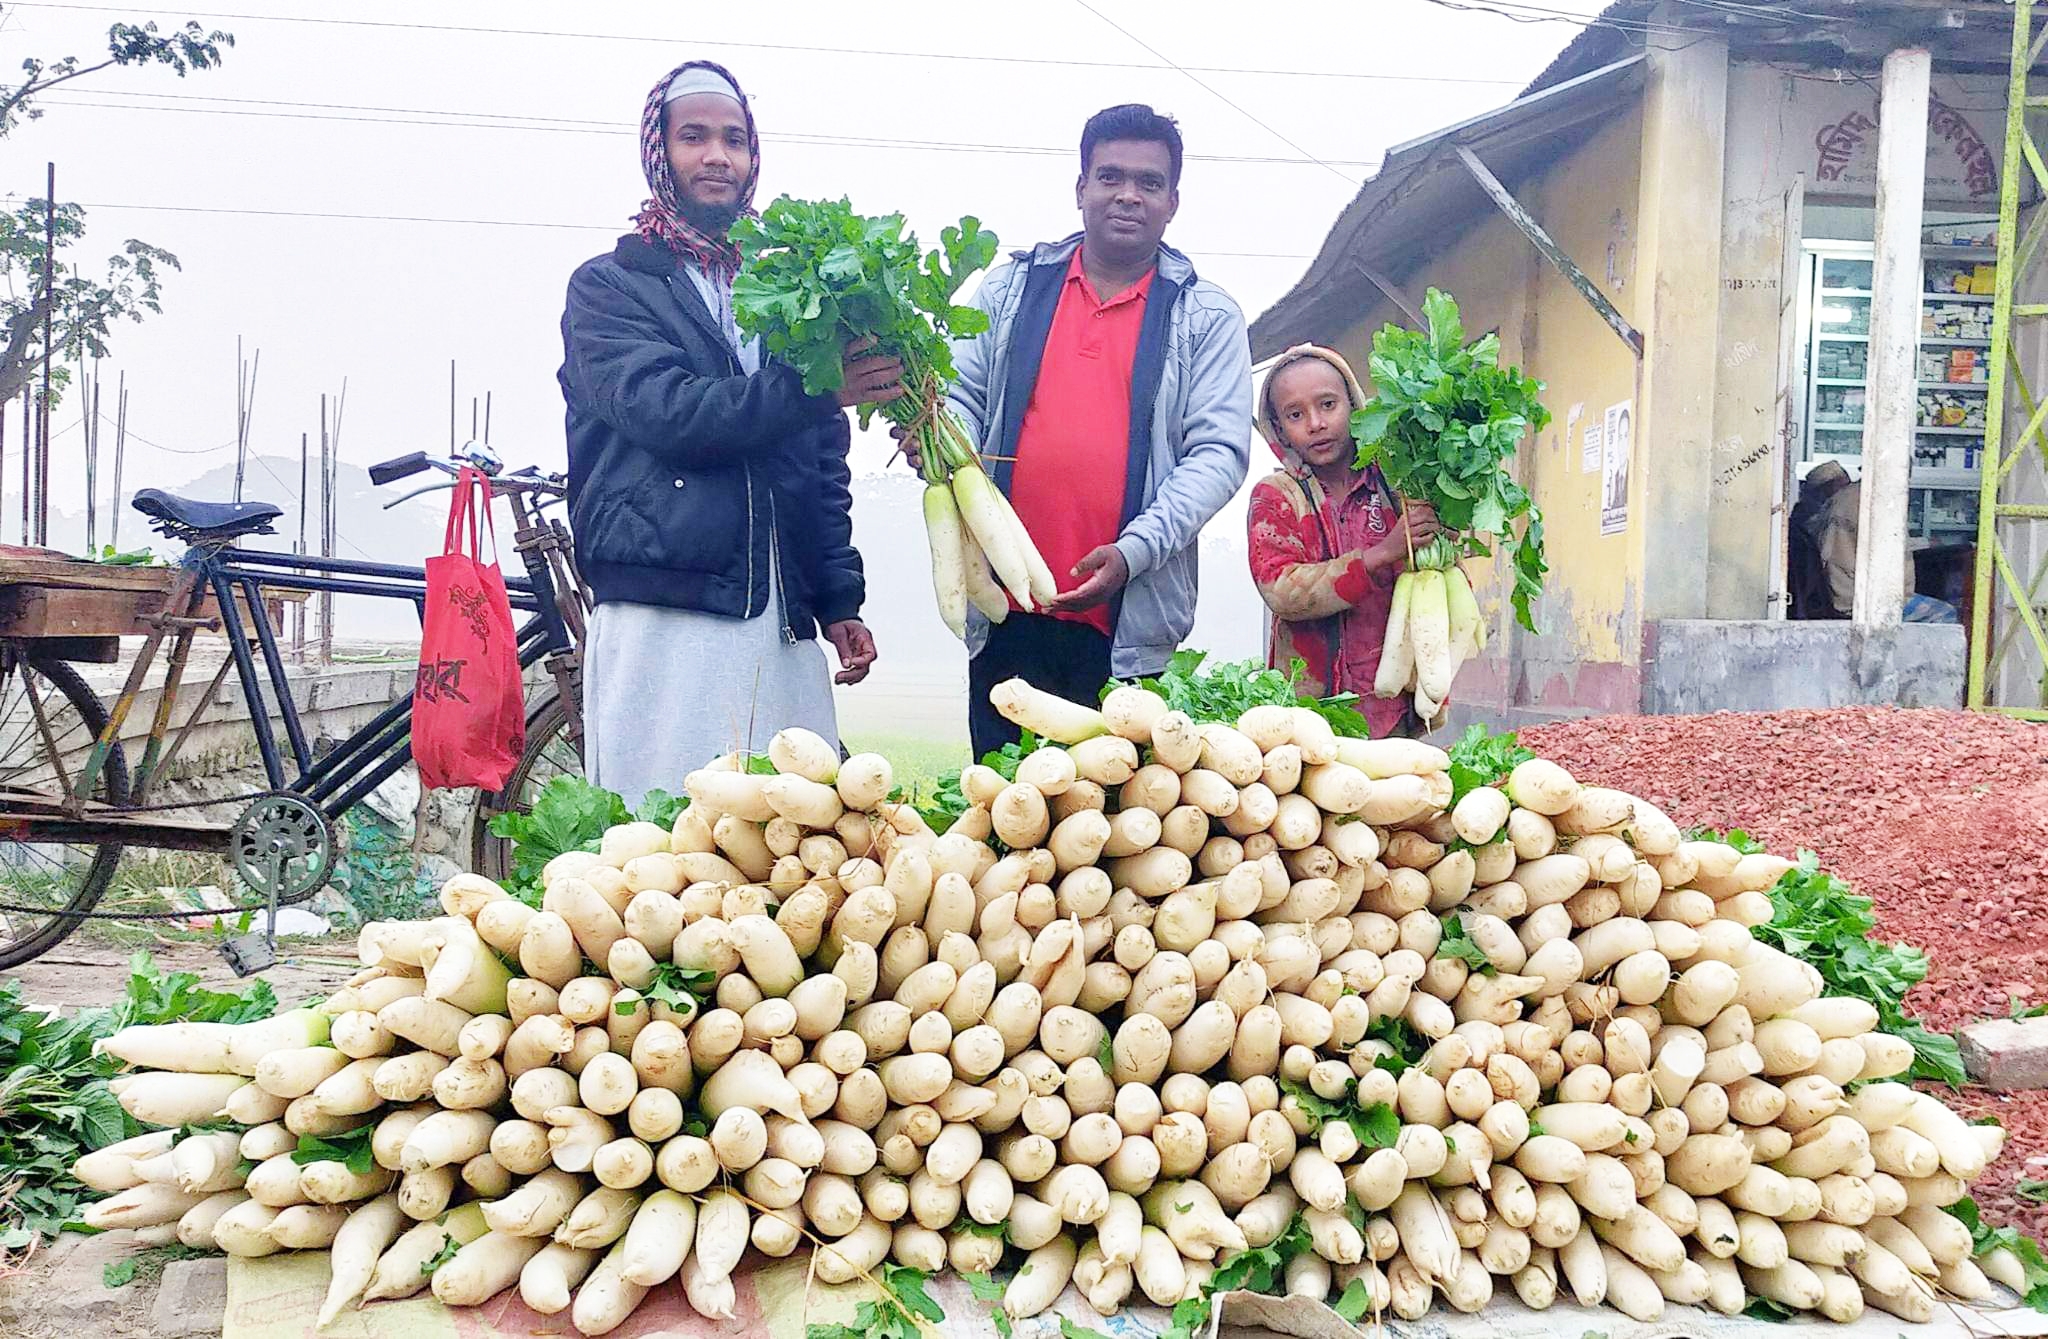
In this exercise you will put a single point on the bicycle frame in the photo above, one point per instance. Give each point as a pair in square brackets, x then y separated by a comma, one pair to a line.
[347, 773]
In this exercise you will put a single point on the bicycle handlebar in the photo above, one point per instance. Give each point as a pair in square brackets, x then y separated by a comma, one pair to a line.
[403, 467]
[474, 456]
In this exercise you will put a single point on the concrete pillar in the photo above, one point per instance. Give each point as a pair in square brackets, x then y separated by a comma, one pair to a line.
[1890, 405]
[1685, 125]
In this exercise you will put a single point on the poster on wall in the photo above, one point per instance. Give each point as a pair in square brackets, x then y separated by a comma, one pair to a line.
[1592, 449]
[1615, 455]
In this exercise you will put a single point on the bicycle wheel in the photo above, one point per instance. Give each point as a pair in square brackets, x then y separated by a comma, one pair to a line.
[549, 753]
[40, 880]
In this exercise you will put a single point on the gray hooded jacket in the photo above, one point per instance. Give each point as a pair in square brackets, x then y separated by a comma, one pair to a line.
[1191, 428]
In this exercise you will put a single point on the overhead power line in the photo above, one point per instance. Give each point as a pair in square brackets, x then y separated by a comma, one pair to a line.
[434, 116]
[1214, 92]
[514, 223]
[643, 39]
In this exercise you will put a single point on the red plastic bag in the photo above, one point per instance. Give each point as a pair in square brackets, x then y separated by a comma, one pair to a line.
[468, 703]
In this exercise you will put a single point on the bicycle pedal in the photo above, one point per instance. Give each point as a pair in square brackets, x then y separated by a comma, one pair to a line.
[248, 954]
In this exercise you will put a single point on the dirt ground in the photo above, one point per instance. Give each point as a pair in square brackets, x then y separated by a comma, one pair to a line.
[78, 972]
[1940, 817]
[58, 1292]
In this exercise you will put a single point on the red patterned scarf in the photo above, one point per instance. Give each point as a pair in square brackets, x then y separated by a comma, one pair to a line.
[661, 218]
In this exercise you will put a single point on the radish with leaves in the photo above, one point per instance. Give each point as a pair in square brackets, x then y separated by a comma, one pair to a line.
[818, 276]
[1445, 421]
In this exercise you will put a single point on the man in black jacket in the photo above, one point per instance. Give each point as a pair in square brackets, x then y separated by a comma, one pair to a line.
[709, 494]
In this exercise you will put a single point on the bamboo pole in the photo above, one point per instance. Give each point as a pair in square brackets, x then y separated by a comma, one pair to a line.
[299, 550]
[49, 355]
[326, 533]
[91, 421]
[28, 465]
[120, 450]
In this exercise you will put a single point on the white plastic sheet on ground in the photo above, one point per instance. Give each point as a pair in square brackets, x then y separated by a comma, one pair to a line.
[278, 1297]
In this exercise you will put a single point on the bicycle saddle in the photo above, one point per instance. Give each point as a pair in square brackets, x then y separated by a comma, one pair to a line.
[212, 520]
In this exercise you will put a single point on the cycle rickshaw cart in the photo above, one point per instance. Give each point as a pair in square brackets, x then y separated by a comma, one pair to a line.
[71, 796]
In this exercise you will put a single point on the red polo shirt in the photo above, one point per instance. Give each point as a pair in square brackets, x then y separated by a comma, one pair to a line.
[1073, 447]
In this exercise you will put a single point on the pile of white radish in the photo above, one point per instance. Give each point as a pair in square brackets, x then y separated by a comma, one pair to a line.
[1111, 1037]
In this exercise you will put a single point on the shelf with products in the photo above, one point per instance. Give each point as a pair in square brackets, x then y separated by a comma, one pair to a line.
[1948, 478]
[1932, 512]
[1950, 369]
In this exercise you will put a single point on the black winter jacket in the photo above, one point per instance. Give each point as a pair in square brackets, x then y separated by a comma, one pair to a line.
[681, 467]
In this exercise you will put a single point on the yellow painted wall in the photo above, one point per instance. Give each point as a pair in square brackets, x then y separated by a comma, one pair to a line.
[1591, 614]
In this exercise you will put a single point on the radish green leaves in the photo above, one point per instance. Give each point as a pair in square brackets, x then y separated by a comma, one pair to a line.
[1445, 421]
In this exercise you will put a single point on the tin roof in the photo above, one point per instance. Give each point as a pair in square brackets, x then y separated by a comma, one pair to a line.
[1422, 197]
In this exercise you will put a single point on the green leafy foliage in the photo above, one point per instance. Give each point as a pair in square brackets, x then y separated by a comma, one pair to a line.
[154, 995]
[569, 814]
[109, 556]
[2018, 1009]
[449, 1246]
[683, 989]
[1226, 690]
[993, 1231]
[1442, 427]
[146, 1265]
[819, 275]
[660, 808]
[1377, 1126]
[1763, 1308]
[1354, 1302]
[1454, 944]
[986, 1289]
[55, 1105]
[1734, 837]
[351, 1149]
[1069, 1330]
[1260, 1269]
[893, 1315]
[376, 871]
[1408, 1047]
[184, 48]
[1482, 758]
[1985, 1239]
[2032, 1191]
[1105, 1054]
[1821, 920]
[948, 801]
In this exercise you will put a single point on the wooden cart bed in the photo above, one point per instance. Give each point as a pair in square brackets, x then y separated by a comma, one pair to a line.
[80, 610]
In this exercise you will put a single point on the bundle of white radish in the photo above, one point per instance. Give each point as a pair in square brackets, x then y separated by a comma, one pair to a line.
[822, 281]
[1179, 1007]
[1442, 429]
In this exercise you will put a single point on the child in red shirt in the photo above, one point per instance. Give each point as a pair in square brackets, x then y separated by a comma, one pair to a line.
[1327, 539]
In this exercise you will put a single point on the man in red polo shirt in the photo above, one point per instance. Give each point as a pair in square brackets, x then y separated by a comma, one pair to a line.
[1111, 400]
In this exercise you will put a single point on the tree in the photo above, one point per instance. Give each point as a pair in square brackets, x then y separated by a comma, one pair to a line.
[82, 310]
[187, 48]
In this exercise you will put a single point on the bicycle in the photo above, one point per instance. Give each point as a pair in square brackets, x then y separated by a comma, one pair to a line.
[69, 802]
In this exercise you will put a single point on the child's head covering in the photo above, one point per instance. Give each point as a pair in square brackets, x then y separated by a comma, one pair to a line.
[1269, 424]
[661, 217]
